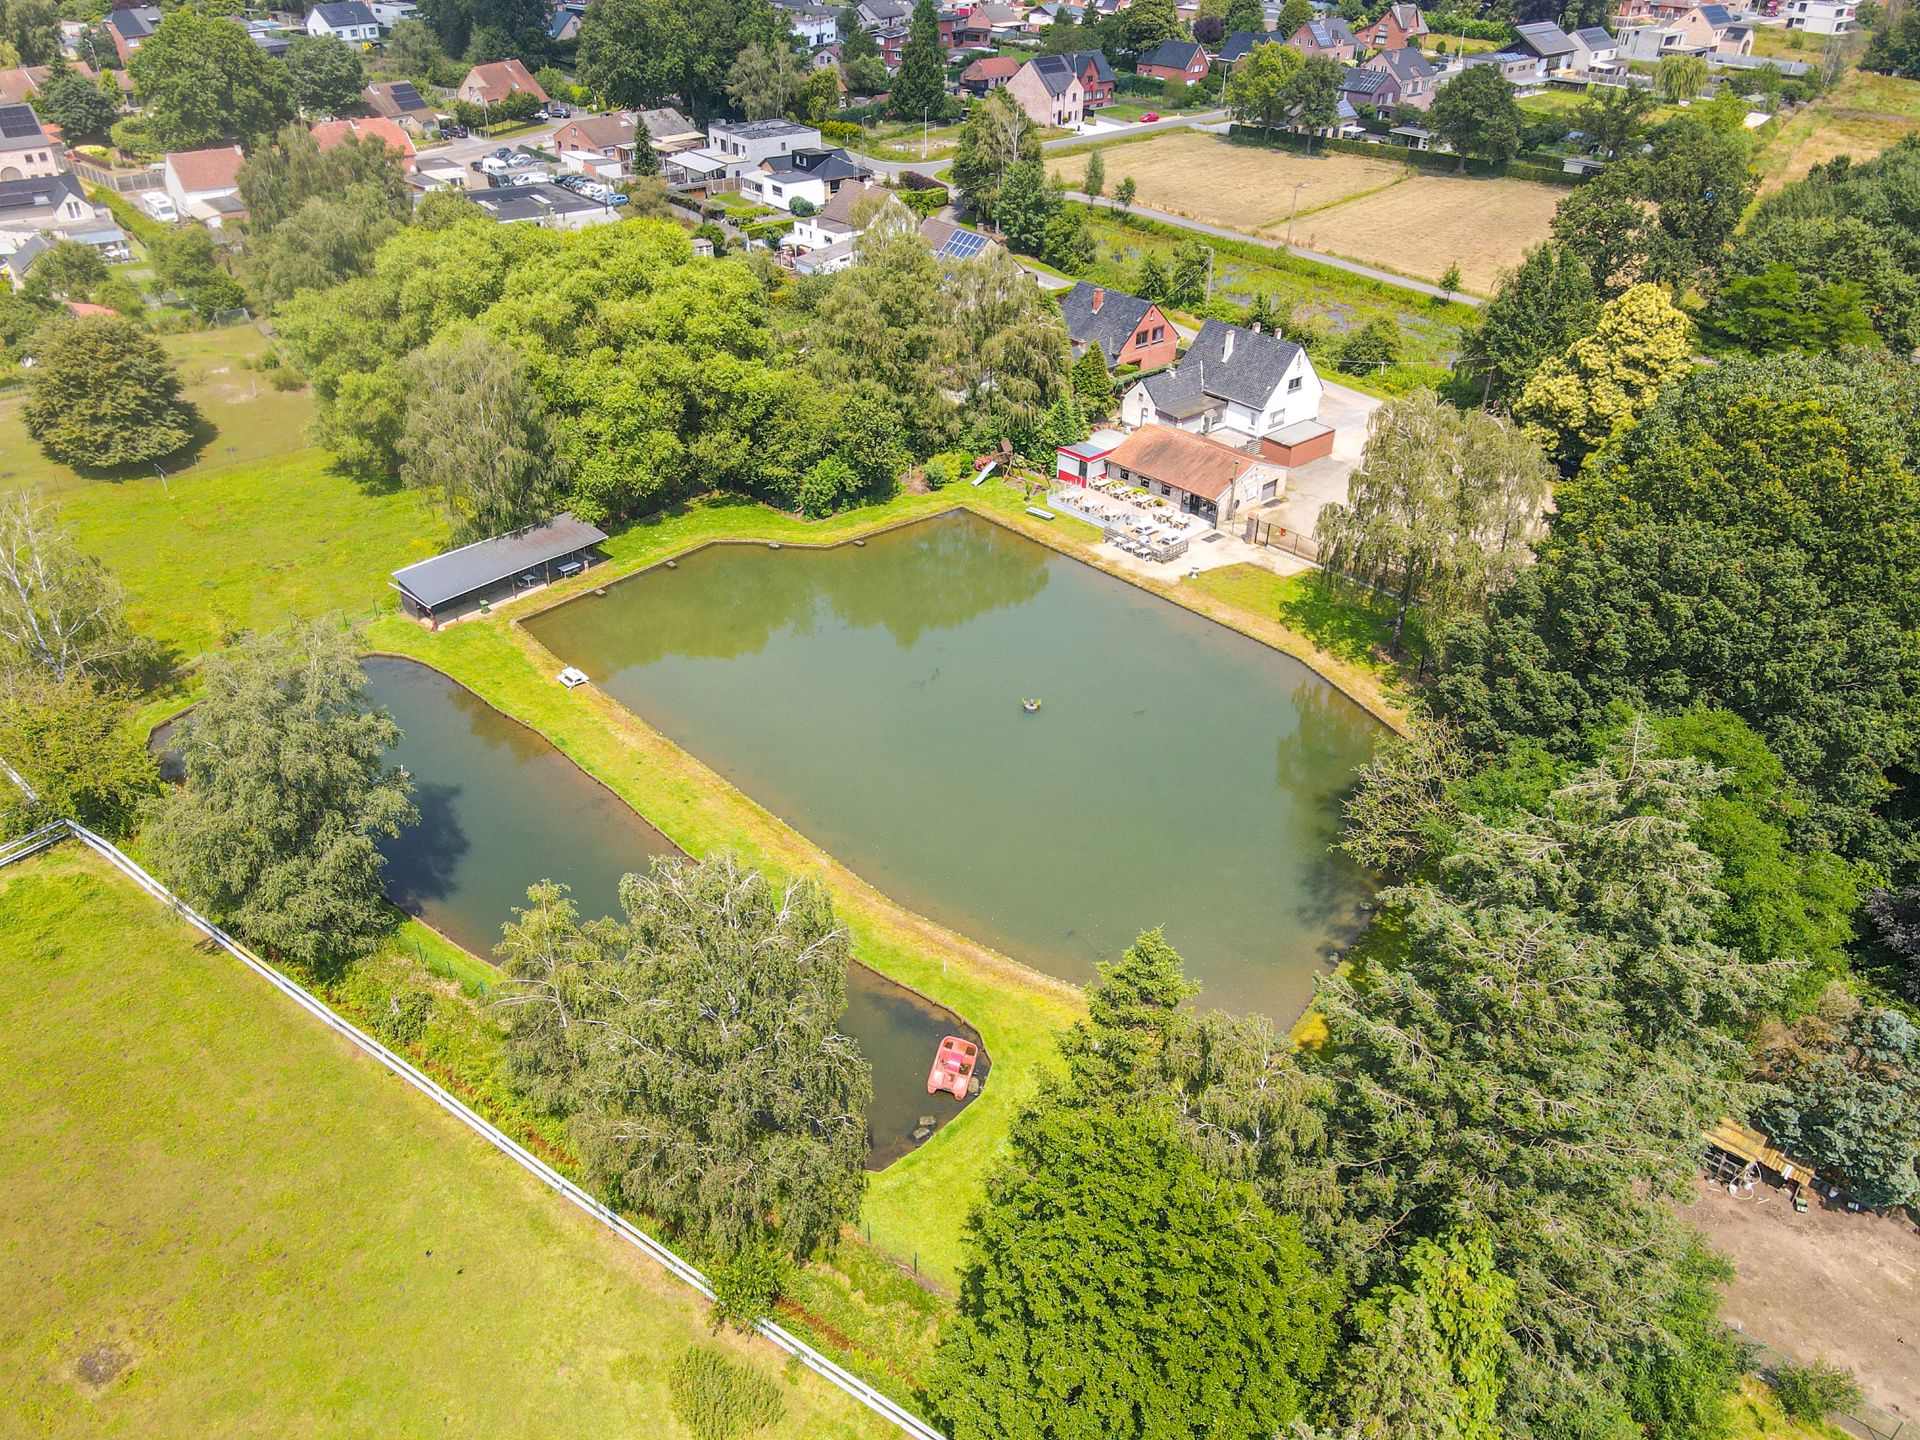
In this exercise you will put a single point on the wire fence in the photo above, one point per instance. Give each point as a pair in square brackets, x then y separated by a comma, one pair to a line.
[785, 1340]
[1271, 535]
[1865, 1420]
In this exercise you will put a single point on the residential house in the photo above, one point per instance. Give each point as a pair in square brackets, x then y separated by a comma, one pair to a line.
[1174, 59]
[810, 175]
[1820, 17]
[1002, 21]
[26, 151]
[964, 29]
[988, 73]
[1231, 378]
[550, 206]
[1706, 30]
[1522, 71]
[1049, 90]
[604, 137]
[43, 203]
[1398, 27]
[833, 221]
[950, 244]
[1548, 43]
[19, 85]
[331, 133]
[19, 260]
[564, 24]
[129, 28]
[348, 20]
[401, 102]
[1096, 76]
[1595, 52]
[1128, 329]
[735, 148]
[1198, 474]
[892, 43]
[670, 131]
[390, 13]
[883, 14]
[205, 184]
[1368, 89]
[1328, 36]
[1237, 46]
[813, 25]
[490, 84]
[1413, 81]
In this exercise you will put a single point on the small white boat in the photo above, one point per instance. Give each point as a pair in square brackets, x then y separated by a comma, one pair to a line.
[572, 678]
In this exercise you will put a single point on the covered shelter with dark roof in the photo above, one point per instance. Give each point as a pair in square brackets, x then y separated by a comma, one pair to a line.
[490, 570]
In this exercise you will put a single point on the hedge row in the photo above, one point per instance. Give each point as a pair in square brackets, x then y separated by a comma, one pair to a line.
[1420, 159]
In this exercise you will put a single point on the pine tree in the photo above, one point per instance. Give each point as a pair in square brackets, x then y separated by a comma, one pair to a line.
[920, 89]
[1093, 383]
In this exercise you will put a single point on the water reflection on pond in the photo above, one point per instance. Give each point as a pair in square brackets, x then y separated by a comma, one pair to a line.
[501, 809]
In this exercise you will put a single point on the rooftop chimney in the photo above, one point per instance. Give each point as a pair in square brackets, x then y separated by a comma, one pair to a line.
[1255, 327]
[1099, 295]
[1227, 353]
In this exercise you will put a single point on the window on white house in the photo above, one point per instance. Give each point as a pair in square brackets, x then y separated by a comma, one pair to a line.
[1294, 384]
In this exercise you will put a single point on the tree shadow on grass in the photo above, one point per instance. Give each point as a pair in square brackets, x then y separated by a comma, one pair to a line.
[1350, 623]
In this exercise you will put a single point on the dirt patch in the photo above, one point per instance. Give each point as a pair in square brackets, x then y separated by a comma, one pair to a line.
[1246, 187]
[1423, 225]
[98, 1366]
[1862, 117]
[1845, 1287]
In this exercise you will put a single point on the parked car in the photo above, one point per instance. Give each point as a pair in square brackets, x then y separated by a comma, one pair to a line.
[492, 165]
[557, 111]
[504, 152]
[1149, 117]
[451, 131]
[521, 160]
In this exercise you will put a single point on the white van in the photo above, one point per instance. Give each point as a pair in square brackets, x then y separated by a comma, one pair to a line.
[159, 205]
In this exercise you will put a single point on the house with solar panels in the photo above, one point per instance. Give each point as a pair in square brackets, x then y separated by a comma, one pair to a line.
[401, 102]
[26, 152]
[348, 20]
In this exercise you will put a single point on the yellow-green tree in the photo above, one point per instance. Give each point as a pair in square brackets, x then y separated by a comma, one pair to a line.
[1607, 379]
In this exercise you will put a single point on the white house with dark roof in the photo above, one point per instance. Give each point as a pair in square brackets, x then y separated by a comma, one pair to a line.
[350, 20]
[1548, 43]
[45, 203]
[1231, 379]
[1820, 17]
[814, 176]
[1241, 43]
[1595, 52]
[26, 151]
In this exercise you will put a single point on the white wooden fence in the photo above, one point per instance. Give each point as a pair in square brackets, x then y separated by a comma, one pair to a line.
[835, 1374]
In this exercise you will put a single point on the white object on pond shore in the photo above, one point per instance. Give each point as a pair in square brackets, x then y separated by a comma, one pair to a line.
[571, 677]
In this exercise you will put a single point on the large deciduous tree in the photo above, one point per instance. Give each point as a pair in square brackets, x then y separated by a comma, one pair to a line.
[287, 792]
[62, 615]
[1257, 87]
[1310, 96]
[71, 742]
[1540, 308]
[652, 52]
[77, 105]
[1607, 378]
[103, 395]
[325, 74]
[1477, 115]
[200, 78]
[998, 135]
[476, 436]
[1442, 510]
[693, 1046]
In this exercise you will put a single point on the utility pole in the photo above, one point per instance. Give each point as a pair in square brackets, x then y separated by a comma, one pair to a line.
[1294, 211]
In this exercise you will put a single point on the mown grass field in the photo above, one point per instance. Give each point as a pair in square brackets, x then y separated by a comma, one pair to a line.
[1860, 117]
[218, 1220]
[1362, 207]
[250, 419]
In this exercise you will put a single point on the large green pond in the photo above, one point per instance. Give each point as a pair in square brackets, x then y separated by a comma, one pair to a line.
[1177, 774]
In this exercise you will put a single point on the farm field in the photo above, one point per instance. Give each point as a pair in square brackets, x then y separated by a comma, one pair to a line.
[1375, 210]
[1861, 117]
[221, 1221]
[1429, 222]
[1207, 177]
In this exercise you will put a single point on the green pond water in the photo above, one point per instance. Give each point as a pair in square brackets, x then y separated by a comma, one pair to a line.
[501, 809]
[1177, 774]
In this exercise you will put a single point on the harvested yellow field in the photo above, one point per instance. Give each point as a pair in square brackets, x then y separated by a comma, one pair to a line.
[1244, 187]
[1863, 116]
[1424, 224]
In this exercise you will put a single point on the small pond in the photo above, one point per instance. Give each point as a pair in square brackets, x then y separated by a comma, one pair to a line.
[1177, 774]
[501, 809]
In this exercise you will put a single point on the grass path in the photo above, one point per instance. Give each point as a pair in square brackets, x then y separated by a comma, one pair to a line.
[218, 1220]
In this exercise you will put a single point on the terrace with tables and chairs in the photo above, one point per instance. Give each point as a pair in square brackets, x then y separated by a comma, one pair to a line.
[1157, 490]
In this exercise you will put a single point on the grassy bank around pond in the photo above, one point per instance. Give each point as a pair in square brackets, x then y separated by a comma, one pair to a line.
[223, 1221]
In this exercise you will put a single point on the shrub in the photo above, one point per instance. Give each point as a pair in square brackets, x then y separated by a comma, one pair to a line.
[829, 486]
[1373, 346]
[841, 132]
[748, 1282]
[946, 467]
[801, 207]
[719, 1399]
[1812, 1392]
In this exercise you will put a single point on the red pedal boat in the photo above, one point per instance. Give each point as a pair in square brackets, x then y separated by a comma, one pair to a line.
[953, 1066]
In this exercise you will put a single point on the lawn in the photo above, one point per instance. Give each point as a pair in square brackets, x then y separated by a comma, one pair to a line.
[219, 1220]
[1358, 635]
[1863, 115]
[1429, 222]
[212, 552]
[1332, 300]
[219, 368]
[1244, 187]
